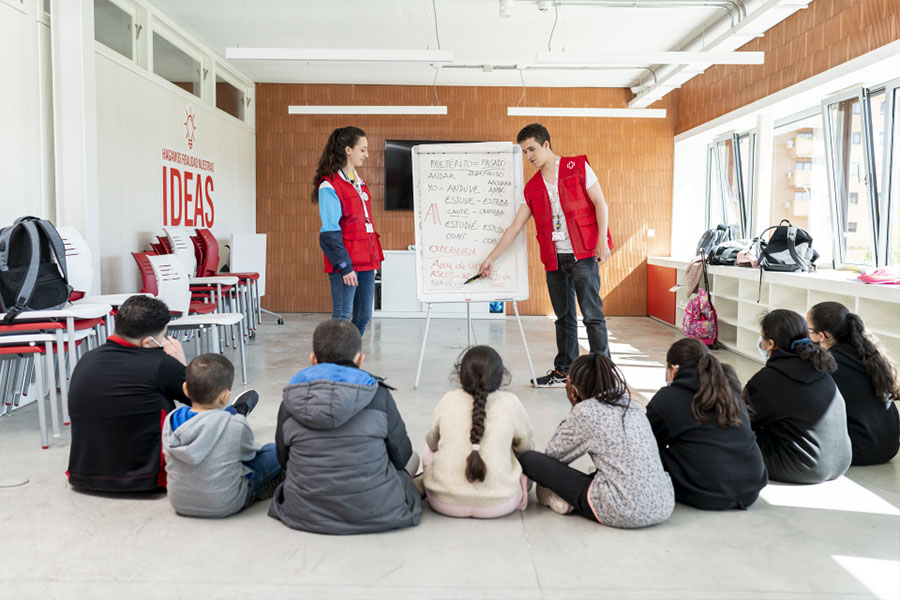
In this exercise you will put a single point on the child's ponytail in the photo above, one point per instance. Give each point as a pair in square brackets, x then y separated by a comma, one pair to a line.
[790, 333]
[719, 385]
[476, 470]
[848, 328]
[480, 372]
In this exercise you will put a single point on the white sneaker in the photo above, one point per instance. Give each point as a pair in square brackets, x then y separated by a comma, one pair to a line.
[548, 497]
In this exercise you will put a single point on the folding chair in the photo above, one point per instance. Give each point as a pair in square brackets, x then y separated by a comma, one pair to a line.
[172, 281]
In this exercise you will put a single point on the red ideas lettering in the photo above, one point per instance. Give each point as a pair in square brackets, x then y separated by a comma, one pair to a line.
[188, 188]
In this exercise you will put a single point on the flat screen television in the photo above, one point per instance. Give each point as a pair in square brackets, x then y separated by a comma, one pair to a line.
[398, 181]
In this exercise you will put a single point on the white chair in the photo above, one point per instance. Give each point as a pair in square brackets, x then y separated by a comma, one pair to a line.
[173, 283]
[183, 248]
[78, 259]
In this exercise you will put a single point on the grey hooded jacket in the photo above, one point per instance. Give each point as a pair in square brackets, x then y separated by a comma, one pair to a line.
[343, 445]
[205, 453]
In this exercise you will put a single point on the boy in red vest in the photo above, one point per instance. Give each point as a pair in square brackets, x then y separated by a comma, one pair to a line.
[569, 212]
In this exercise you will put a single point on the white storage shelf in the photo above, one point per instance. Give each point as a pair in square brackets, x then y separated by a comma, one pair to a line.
[735, 291]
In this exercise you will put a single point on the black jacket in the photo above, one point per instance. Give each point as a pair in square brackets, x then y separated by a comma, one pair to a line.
[873, 423]
[118, 398]
[711, 467]
[799, 419]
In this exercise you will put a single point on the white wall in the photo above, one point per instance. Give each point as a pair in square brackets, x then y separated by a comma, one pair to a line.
[25, 134]
[139, 114]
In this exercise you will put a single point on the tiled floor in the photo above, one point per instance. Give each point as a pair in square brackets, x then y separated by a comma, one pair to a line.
[836, 540]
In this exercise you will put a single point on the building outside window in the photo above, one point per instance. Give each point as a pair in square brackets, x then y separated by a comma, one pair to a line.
[799, 182]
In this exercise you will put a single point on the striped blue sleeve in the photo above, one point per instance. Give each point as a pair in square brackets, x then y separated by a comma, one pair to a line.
[329, 208]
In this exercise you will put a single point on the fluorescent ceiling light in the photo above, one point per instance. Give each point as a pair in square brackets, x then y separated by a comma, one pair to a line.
[366, 110]
[641, 57]
[540, 111]
[349, 55]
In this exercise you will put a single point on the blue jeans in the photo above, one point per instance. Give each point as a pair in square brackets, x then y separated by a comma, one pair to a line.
[353, 302]
[576, 279]
[264, 468]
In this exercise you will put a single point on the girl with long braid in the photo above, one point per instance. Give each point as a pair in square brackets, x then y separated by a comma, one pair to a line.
[476, 433]
[348, 239]
[630, 488]
[866, 378]
[703, 431]
[796, 410]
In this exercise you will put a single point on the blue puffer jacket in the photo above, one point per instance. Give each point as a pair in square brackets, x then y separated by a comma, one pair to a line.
[343, 445]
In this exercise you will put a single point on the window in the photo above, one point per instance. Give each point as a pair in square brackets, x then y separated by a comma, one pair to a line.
[229, 98]
[892, 166]
[800, 183]
[731, 181]
[172, 63]
[851, 226]
[854, 197]
[114, 27]
[850, 172]
[854, 138]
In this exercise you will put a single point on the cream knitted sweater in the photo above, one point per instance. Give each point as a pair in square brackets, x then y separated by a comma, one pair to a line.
[507, 432]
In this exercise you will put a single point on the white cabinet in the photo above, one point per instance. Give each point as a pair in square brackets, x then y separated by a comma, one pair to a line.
[741, 301]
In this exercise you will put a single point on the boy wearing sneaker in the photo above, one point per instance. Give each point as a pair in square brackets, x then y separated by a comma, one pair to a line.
[214, 466]
[571, 220]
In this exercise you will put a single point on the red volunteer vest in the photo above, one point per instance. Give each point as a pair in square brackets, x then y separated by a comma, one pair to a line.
[363, 247]
[581, 218]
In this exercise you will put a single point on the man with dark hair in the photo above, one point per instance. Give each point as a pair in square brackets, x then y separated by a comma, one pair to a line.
[343, 445]
[570, 213]
[118, 397]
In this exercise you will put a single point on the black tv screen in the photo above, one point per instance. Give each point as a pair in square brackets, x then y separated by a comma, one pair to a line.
[398, 181]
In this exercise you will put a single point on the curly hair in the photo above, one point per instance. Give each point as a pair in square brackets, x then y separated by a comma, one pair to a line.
[333, 155]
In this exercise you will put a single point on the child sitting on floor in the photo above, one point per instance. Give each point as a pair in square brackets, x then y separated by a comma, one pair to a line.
[703, 431]
[630, 488]
[215, 467]
[343, 444]
[476, 433]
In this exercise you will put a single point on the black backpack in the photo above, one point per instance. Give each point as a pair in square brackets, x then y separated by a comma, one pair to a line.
[788, 250]
[33, 272]
[712, 238]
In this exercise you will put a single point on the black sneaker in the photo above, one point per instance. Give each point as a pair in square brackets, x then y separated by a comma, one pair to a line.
[553, 378]
[269, 491]
[245, 402]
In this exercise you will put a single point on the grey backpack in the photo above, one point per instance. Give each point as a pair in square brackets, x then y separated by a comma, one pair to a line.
[33, 272]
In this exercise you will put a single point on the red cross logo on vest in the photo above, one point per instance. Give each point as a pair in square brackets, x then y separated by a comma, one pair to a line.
[570, 165]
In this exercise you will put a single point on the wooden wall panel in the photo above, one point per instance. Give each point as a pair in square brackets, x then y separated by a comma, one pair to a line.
[823, 35]
[633, 160]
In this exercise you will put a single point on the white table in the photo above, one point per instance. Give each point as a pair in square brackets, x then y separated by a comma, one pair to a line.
[70, 314]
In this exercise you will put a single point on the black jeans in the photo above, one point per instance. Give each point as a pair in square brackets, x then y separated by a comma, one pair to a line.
[579, 279]
[569, 484]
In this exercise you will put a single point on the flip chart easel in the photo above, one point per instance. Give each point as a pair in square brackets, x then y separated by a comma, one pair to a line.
[465, 196]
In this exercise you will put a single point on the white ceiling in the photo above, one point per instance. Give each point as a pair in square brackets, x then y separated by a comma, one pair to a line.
[472, 29]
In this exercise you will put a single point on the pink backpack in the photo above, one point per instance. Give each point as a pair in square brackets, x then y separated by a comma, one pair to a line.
[700, 321]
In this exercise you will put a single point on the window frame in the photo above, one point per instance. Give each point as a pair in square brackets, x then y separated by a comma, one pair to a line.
[792, 120]
[890, 168]
[131, 10]
[746, 191]
[862, 95]
[174, 38]
[222, 71]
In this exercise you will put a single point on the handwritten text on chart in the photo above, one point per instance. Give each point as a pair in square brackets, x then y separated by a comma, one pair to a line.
[466, 205]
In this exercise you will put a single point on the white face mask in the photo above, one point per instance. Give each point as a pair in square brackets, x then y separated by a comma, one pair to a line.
[763, 353]
[155, 341]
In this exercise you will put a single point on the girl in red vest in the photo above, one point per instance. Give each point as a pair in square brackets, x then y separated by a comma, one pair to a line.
[348, 240]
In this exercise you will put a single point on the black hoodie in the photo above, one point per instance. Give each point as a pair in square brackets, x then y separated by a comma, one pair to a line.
[800, 420]
[873, 423]
[711, 467]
